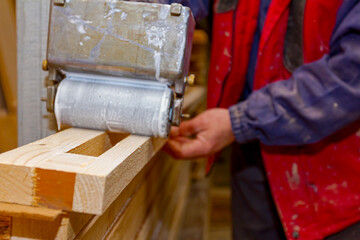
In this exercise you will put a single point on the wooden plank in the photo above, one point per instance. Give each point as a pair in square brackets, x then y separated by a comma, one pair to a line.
[61, 228]
[23, 228]
[5, 227]
[140, 205]
[41, 223]
[174, 214]
[147, 201]
[163, 220]
[26, 226]
[101, 224]
[36, 213]
[84, 182]
[32, 19]
[195, 224]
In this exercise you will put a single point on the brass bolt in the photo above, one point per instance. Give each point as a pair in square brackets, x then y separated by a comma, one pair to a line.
[44, 65]
[190, 80]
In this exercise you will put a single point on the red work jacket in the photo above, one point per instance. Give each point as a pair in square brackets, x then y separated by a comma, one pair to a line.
[316, 188]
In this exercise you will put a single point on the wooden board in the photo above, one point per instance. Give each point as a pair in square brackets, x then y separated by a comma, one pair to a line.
[150, 207]
[62, 228]
[151, 204]
[28, 212]
[195, 224]
[149, 177]
[63, 172]
[25, 222]
[53, 173]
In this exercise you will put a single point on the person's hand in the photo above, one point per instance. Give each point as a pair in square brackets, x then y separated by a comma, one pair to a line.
[202, 136]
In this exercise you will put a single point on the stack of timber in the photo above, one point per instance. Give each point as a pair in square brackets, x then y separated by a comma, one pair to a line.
[7, 75]
[86, 184]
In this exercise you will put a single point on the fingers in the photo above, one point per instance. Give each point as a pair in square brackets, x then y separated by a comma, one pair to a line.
[187, 148]
[191, 127]
[174, 132]
[202, 136]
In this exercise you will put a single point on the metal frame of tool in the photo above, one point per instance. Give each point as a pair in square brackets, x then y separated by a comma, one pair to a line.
[145, 43]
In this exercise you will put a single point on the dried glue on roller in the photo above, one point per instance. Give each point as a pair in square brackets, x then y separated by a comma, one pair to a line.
[115, 104]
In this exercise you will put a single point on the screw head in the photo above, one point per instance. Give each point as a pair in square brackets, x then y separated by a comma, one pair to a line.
[190, 80]
[185, 115]
[44, 65]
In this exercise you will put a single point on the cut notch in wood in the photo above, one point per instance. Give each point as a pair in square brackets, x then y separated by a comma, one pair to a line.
[99, 145]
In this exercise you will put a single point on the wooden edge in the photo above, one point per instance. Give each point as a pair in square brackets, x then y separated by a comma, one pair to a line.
[22, 211]
[195, 222]
[99, 226]
[139, 210]
[5, 227]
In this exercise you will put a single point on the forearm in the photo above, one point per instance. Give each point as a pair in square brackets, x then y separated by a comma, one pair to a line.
[319, 99]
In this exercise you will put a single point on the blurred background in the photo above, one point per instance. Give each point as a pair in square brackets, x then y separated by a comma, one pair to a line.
[8, 79]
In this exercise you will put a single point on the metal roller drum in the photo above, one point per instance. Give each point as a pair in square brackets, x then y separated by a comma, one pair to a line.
[115, 104]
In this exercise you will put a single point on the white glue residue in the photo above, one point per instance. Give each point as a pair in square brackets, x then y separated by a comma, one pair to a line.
[157, 61]
[164, 12]
[75, 19]
[181, 45]
[123, 16]
[145, 14]
[156, 35]
[112, 11]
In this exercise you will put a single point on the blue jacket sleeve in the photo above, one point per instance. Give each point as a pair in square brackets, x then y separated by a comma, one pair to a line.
[319, 99]
[200, 8]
